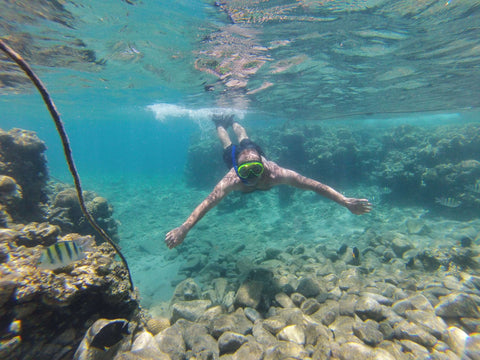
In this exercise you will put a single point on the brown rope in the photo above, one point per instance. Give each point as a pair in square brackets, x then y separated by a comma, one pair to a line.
[66, 148]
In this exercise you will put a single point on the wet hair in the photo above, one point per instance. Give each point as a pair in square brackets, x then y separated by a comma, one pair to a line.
[244, 144]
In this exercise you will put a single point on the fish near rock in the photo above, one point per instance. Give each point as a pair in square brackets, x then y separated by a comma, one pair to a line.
[104, 338]
[61, 254]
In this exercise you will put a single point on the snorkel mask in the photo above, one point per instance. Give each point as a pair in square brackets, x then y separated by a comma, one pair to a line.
[251, 168]
[247, 170]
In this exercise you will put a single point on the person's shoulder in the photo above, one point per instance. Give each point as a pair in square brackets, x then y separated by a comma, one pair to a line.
[271, 166]
[229, 180]
[275, 172]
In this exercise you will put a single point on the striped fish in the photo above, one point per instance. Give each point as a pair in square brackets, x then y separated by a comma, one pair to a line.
[448, 202]
[474, 188]
[60, 255]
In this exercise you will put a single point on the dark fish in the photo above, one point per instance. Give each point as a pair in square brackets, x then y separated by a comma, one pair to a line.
[355, 256]
[466, 241]
[110, 334]
[355, 253]
[342, 249]
[448, 202]
[60, 255]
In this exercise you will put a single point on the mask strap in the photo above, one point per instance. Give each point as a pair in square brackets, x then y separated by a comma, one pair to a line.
[235, 166]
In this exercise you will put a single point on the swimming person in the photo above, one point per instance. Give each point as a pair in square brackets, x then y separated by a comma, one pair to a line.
[250, 171]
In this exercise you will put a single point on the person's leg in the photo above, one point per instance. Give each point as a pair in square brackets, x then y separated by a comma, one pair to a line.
[239, 131]
[224, 137]
[227, 146]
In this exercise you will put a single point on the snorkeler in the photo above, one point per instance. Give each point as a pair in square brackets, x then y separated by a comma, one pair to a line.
[250, 171]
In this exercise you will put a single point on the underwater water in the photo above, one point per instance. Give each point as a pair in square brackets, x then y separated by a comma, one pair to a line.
[378, 99]
[133, 105]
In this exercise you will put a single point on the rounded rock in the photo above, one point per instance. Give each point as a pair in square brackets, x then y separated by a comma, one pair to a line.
[249, 294]
[456, 339]
[158, 324]
[284, 300]
[229, 342]
[368, 308]
[457, 305]
[352, 350]
[472, 347]
[368, 332]
[293, 333]
[189, 310]
[309, 287]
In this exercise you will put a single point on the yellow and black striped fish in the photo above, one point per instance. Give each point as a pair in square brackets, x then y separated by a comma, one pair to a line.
[474, 188]
[448, 202]
[60, 255]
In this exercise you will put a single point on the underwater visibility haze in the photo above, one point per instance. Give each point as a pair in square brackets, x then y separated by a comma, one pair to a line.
[378, 99]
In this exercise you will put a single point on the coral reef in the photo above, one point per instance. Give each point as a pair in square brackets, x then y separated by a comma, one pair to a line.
[22, 159]
[64, 211]
[26, 195]
[44, 314]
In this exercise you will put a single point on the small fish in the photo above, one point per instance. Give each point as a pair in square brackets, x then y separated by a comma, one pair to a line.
[60, 255]
[474, 188]
[448, 202]
[466, 241]
[110, 334]
[355, 256]
[356, 253]
[342, 249]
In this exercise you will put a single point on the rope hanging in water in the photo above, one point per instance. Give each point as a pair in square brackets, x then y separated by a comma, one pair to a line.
[66, 148]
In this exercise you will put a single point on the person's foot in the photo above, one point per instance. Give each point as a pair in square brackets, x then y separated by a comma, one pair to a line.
[223, 120]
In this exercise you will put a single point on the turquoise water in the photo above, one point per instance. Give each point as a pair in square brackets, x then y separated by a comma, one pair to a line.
[136, 83]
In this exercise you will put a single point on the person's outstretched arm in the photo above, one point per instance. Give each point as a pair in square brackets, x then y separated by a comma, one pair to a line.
[290, 177]
[176, 236]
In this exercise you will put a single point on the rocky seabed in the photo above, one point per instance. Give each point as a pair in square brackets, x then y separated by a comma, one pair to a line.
[349, 316]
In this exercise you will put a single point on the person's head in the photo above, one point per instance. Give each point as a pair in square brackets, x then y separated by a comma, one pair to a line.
[250, 166]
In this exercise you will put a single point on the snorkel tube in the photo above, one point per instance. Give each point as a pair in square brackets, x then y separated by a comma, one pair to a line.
[235, 165]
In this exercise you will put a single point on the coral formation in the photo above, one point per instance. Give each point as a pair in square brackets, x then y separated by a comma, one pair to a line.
[47, 305]
[27, 196]
[45, 313]
[64, 211]
[22, 159]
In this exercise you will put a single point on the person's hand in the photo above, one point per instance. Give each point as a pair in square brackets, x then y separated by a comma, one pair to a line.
[358, 206]
[175, 237]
